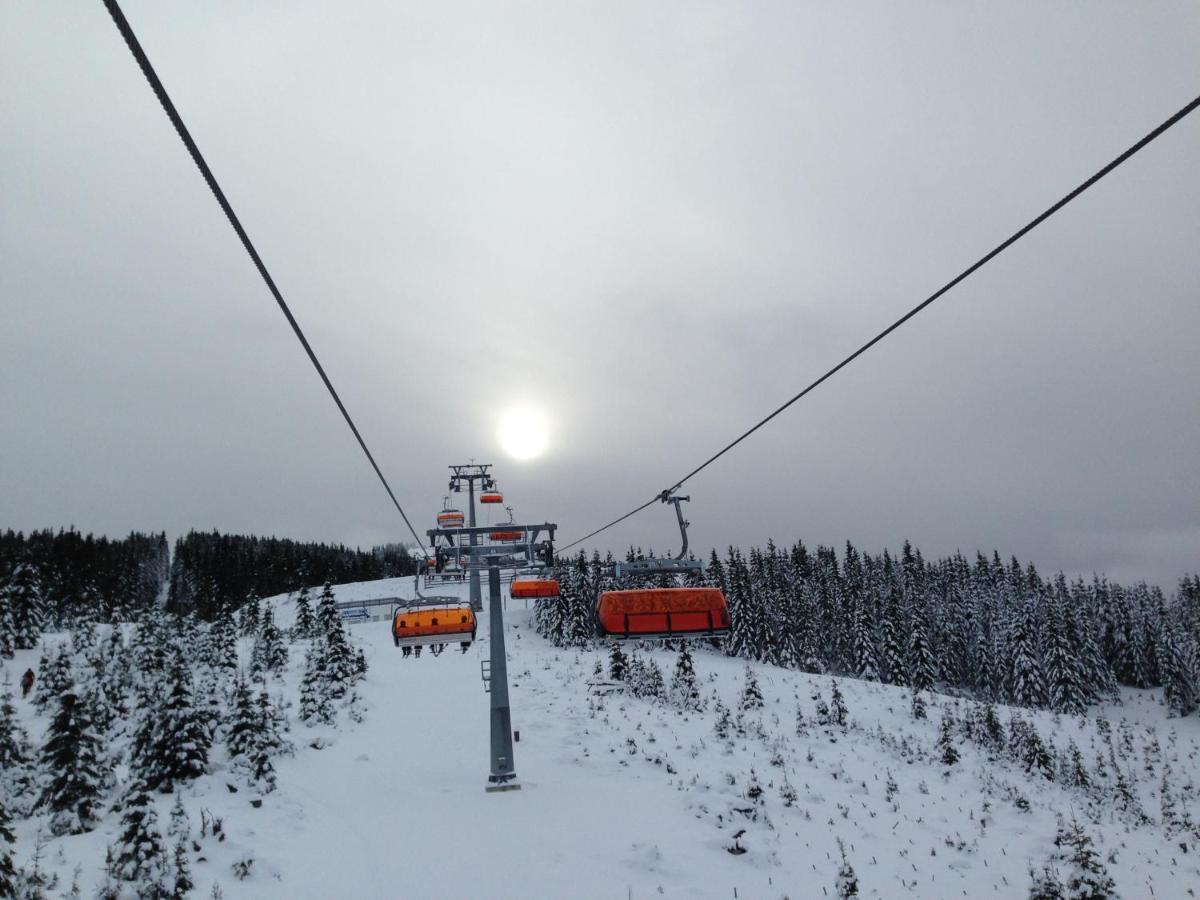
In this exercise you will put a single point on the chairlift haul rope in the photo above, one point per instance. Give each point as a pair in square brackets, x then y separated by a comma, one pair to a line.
[978, 264]
[160, 91]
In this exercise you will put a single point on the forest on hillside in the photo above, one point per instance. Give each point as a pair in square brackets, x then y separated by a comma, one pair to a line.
[75, 575]
[211, 571]
[51, 580]
[986, 629]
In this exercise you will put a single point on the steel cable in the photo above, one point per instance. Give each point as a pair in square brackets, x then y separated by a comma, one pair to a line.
[160, 91]
[979, 263]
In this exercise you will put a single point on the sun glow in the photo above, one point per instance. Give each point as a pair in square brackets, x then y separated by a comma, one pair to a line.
[524, 432]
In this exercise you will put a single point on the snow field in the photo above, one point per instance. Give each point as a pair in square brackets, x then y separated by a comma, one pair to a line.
[624, 797]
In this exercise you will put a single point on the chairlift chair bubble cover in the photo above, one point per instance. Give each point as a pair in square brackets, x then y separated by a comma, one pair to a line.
[663, 612]
[534, 588]
[418, 626]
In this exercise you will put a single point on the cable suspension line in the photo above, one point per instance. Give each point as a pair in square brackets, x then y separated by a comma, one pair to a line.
[160, 91]
[961, 276]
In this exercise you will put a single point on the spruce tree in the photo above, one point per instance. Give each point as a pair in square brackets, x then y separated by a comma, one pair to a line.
[847, 880]
[684, 692]
[751, 697]
[618, 663]
[270, 653]
[327, 612]
[8, 628]
[654, 685]
[241, 735]
[1063, 673]
[71, 758]
[946, 746]
[14, 743]
[304, 615]
[8, 871]
[223, 641]
[181, 883]
[1088, 879]
[316, 701]
[251, 615]
[57, 676]
[918, 708]
[183, 740]
[837, 706]
[25, 601]
[1045, 885]
[1178, 668]
[1026, 684]
[140, 857]
[723, 722]
[922, 667]
[894, 667]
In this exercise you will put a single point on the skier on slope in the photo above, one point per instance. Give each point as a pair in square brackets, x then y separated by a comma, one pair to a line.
[26, 683]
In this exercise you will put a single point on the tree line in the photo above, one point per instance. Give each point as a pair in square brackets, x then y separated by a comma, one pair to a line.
[106, 578]
[992, 630]
[211, 571]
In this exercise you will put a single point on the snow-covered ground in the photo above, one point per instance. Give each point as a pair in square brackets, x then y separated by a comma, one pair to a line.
[629, 798]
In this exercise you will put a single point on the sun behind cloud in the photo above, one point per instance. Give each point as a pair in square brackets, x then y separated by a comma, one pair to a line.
[524, 432]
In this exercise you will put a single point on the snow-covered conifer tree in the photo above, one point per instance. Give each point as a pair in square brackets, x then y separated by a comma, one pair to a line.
[24, 599]
[139, 857]
[71, 759]
[922, 667]
[866, 666]
[327, 616]
[270, 652]
[251, 615]
[14, 742]
[653, 683]
[723, 723]
[1088, 879]
[946, 745]
[847, 880]
[1026, 684]
[751, 697]
[1177, 665]
[1064, 677]
[316, 702]
[241, 735]
[838, 714]
[684, 692]
[8, 629]
[57, 676]
[181, 873]
[918, 709]
[1045, 884]
[304, 615]
[618, 663]
[183, 739]
[8, 871]
[893, 665]
[223, 638]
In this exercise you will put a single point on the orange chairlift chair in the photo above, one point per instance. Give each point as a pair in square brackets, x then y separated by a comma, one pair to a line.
[434, 626]
[672, 612]
[450, 518]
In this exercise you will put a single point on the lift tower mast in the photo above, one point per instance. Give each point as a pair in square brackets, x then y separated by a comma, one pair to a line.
[469, 474]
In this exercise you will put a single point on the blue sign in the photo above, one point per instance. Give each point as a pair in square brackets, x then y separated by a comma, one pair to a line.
[357, 614]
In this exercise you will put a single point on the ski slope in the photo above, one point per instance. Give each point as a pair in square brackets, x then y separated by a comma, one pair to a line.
[628, 798]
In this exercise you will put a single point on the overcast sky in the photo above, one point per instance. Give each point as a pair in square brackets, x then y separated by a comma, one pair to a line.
[656, 222]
